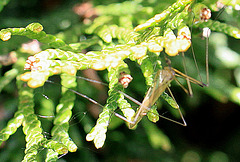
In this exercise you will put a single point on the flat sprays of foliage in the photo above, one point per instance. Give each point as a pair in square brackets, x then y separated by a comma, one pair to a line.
[131, 30]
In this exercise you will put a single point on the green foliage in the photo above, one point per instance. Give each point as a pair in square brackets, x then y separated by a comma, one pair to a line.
[3, 3]
[106, 42]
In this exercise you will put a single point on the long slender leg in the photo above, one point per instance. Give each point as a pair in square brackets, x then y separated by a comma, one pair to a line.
[187, 79]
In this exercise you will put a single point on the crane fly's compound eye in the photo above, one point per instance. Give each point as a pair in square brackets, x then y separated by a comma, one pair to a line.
[205, 14]
[124, 79]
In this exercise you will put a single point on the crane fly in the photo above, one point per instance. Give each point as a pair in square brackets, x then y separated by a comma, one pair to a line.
[161, 82]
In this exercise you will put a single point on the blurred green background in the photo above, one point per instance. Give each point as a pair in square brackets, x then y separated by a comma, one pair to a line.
[212, 114]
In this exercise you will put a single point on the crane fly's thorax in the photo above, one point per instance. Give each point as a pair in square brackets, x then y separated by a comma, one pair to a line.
[164, 76]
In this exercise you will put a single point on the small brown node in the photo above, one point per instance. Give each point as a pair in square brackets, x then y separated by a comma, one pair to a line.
[124, 79]
[205, 14]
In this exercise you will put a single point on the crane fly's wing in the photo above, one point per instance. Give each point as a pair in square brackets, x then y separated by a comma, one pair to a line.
[161, 82]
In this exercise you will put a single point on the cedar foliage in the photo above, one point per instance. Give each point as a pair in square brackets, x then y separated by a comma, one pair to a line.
[112, 40]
